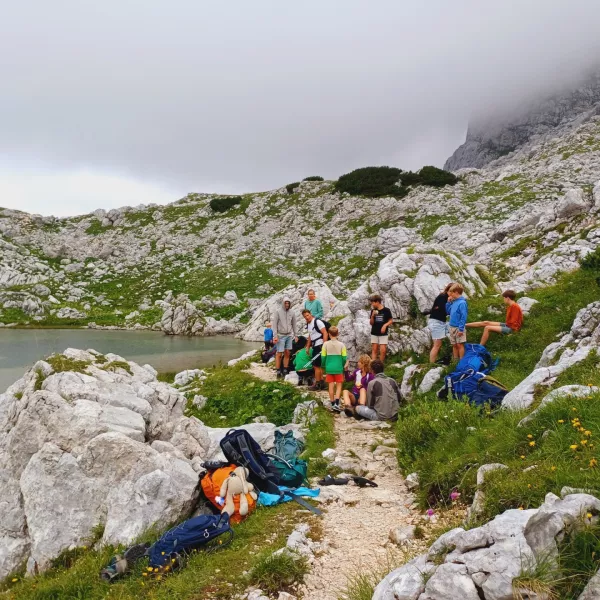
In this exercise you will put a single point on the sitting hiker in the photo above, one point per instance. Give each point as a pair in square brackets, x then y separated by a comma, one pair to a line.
[303, 366]
[268, 336]
[383, 397]
[334, 358]
[458, 310]
[361, 377]
[514, 319]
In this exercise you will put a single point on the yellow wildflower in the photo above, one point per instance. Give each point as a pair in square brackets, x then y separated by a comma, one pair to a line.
[573, 446]
[529, 436]
[522, 456]
[584, 442]
[561, 420]
[145, 574]
[573, 408]
[588, 433]
[589, 515]
[529, 485]
[553, 468]
[15, 579]
[593, 462]
[150, 569]
[532, 443]
[520, 508]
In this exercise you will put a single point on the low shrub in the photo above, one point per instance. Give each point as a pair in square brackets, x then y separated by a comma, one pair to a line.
[290, 187]
[222, 205]
[313, 178]
[592, 261]
[436, 177]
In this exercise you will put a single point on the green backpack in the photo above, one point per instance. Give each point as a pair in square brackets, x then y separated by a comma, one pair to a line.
[292, 470]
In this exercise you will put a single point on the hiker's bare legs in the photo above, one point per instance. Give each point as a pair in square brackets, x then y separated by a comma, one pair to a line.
[486, 332]
[374, 351]
[382, 351]
[348, 398]
[362, 396]
[318, 374]
[481, 324]
[278, 360]
[461, 350]
[286, 359]
[338, 389]
[435, 350]
[331, 390]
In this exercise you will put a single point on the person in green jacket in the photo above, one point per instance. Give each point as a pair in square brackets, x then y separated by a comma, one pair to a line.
[334, 359]
[303, 366]
[314, 305]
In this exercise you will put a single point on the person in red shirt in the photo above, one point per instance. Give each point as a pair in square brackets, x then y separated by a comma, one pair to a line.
[514, 319]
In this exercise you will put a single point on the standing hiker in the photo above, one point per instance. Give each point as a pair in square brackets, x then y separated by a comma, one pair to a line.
[314, 305]
[380, 319]
[317, 335]
[458, 310]
[437, 323]
[284, 329]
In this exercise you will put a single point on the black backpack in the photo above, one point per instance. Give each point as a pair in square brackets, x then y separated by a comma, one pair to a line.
[241, 449]
[327, 325]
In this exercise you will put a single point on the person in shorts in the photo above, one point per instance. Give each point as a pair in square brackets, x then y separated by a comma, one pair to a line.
[317, 336]
[380, 319]
[458, 310]
[437, 323]
[514, 319]
[284, 330]
[334, 359]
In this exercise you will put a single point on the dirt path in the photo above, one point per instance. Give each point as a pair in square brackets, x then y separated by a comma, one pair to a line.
[357, 521]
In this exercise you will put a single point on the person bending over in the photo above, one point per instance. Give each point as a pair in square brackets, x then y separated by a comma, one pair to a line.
[514, 319]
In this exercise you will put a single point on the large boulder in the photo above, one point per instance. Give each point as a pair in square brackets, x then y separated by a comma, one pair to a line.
[482, 563]
[95, 446]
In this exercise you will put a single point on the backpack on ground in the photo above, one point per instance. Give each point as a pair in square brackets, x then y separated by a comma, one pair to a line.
[211, 486]
[267, 355]
[479, 388]
[193, 534]
[476, 358]
[241, 449]
[292, 470]
[489, 391]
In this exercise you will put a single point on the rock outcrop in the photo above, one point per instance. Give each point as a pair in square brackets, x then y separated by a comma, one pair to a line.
[482, 563]
[91, 440]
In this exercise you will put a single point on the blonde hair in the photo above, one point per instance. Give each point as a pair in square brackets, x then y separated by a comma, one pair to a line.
[456, 287]
[365, 361]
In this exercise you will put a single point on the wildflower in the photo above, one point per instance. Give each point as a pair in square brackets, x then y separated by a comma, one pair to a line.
[561, 420]
[573, 408]
[589, 515]
[145, 574]
[532, 443]
[529, 485]
[430, 512]
[529, 436]
[162, 553]
[553, 468]
[520, 508]
[522, 456]
[573, 446]
[581, 429]
[593, 462]
[159, 577]
[454, 496]
[584, 442]
[587, 432]
[150, 569]
[15, 579]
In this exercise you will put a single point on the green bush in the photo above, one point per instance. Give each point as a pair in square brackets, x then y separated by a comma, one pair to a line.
[222, 205]
[313, 178]
[373, 182]
[436, 177]
[290, 187]
[592, 261]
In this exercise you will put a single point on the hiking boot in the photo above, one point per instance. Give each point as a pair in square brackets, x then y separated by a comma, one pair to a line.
[279, 374]
[315, 387]
[336, 408]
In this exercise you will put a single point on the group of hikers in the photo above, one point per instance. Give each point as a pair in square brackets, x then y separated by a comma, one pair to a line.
[322, 357]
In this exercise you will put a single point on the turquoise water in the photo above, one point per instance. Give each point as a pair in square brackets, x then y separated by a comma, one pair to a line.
[21, 348]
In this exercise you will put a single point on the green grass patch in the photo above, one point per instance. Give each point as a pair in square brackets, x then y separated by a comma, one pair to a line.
[61, 363]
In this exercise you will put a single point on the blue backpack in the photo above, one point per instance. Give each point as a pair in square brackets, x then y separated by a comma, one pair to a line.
[189, 535]
[478, 387]
[476, 358]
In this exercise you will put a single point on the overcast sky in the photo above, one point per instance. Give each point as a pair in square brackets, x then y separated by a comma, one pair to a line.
[114, 102]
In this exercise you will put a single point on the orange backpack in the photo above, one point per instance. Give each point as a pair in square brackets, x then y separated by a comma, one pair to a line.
[211, 486]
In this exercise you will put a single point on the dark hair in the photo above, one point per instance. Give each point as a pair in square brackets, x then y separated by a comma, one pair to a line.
[377, 366]
[306, 311]
[509, 294]
[374, 298]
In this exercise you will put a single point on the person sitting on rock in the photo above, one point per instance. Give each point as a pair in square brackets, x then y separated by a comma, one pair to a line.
[314, 305]
[361, 378]
[284, 329]
[380, 319]
[383, 397]
[514, 319]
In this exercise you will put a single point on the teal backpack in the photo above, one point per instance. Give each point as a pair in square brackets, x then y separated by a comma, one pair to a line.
[292, 470]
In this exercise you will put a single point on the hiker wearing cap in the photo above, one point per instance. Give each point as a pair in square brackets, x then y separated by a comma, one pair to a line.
[284, 329]
[314, 305]
[317, 335]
